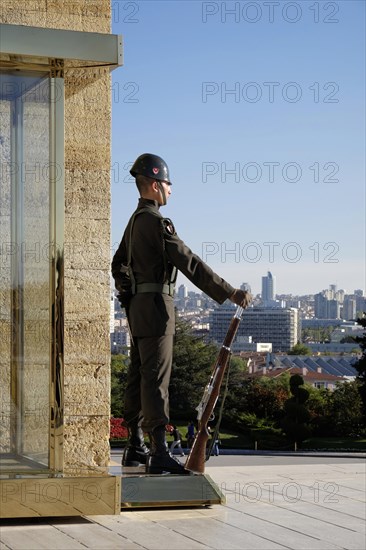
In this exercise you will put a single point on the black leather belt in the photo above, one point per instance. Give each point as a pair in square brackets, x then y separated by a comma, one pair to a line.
[154, 287]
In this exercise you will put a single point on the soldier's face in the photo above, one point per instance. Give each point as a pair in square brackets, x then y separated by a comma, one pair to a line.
[167, 191]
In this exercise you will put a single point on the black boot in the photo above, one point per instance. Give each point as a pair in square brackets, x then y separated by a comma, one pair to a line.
[136, 452]
[160, 460]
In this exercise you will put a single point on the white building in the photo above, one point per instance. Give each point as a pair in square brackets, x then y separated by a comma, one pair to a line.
[279, 327]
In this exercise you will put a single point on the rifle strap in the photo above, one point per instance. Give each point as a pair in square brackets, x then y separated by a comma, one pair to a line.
[215, 435]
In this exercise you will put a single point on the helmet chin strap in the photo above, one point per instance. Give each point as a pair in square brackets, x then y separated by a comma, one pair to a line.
[162, 192]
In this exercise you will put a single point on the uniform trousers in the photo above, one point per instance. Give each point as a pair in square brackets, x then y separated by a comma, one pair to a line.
[148, 377]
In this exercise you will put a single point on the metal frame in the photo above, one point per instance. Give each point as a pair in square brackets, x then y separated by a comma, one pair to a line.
[57, 202]
[17, 275]
[85, 47]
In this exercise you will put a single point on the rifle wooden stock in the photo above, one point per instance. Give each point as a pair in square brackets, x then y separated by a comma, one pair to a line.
[197, 456]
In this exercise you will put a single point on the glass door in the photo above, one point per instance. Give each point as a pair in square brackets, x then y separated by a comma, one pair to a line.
[26, 272]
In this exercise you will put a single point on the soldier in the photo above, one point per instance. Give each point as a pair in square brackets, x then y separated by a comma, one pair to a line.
[145, 268]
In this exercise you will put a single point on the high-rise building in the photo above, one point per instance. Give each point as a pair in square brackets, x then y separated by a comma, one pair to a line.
[182, 292]
[268, 289]
[120, 337]
[320, 306]
[349, 308]
[334, 309]
[360, 305]
[360, 301]
[327, 304]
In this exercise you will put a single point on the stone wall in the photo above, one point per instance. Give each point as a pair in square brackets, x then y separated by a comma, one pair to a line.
[87, 267]
[74, 15]
[87, 231]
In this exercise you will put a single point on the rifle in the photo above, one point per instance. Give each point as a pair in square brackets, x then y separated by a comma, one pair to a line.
[196, 459]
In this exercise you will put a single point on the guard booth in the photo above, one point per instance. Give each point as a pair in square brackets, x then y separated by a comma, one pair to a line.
[47, 468]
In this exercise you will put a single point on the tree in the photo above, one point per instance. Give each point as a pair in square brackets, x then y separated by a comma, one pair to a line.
[347, 340]
[320, 334]
[346, 409]
[193, 361]
[255, 402]
[119, 366]
[300, 349]
[319, 407]
[296, 421]
[360, 365]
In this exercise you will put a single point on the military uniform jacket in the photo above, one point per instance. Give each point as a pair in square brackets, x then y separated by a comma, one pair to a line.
[156, 249]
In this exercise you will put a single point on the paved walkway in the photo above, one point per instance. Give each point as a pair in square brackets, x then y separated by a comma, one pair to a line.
[272, 502]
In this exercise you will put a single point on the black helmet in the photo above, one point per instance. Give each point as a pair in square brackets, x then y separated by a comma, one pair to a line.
[151, 166]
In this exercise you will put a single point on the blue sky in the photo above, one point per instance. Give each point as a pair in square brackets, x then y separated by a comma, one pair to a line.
[259, 110]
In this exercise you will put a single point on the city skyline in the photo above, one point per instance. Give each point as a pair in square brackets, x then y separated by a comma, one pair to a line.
[257, 286]
[259, 113]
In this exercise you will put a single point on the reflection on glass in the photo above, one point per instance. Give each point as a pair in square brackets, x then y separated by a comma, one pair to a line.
[24, 271]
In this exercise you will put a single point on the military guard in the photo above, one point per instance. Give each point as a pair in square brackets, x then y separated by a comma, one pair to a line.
[145, 269]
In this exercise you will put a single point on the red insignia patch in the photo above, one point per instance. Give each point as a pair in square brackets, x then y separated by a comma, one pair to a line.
[168, 227]
[156, 171]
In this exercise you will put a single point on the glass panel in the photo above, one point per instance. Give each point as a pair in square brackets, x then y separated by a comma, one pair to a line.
[34, 256]
[25, 271]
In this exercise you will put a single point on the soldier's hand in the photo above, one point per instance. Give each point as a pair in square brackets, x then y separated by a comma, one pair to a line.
[241, 298]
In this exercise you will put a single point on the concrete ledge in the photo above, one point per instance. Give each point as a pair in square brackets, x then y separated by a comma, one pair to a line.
[56, 497]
